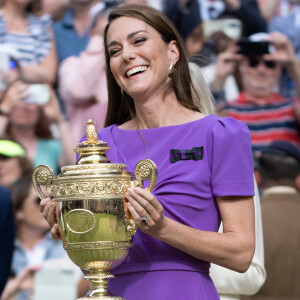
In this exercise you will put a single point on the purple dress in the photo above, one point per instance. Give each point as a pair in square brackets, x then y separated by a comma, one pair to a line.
[222, 165]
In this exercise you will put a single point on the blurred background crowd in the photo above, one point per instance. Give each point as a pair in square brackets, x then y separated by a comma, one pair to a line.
[52, 80]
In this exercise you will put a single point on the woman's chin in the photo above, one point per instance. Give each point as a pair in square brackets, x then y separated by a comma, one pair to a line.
[138, 93]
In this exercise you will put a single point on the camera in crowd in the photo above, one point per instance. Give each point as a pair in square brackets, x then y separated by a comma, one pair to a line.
[38, 94]
[253, 48]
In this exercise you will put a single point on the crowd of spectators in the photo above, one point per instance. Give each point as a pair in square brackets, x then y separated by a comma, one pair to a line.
[52, 80]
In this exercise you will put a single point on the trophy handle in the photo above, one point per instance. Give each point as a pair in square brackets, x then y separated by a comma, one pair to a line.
[146, 169]
[42, 175]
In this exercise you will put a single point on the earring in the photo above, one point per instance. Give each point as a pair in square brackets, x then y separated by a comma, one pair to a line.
[171, 69]
[122, 92]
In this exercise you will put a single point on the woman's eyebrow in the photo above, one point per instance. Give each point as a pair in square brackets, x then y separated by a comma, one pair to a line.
[129, 36]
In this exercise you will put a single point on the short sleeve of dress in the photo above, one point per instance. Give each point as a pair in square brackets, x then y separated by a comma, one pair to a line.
[231, 159]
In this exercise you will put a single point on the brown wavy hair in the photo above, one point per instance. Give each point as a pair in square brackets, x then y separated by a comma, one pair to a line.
[121, 107]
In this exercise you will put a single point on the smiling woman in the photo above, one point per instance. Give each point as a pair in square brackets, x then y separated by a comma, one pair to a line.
[138, 58]
[204, 163]
[152, 37]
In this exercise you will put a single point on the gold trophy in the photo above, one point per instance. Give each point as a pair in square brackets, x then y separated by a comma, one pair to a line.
[94, 222]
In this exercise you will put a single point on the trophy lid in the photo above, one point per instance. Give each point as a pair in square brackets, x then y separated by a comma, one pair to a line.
[92, 157]
[93, 176]
[92, 151]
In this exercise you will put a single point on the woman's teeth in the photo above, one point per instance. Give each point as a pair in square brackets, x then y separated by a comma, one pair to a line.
[135, 70]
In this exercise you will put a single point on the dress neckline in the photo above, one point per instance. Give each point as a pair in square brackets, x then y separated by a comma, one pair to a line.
[165, 127]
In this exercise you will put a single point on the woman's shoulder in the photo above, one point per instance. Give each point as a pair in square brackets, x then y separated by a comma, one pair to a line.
[227, 132]
[213, 121]
[220, 124]
[229, 124]
[105, 132]
[129, 125]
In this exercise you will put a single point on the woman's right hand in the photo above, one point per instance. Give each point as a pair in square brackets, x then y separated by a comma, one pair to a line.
[48, 209]
[226, 64]
[14, 94]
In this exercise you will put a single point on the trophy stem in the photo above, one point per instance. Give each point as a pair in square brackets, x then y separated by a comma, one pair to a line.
[99, 287]
[99, 283]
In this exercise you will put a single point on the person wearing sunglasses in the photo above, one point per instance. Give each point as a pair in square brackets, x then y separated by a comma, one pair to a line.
[269, 115]
[255, 61]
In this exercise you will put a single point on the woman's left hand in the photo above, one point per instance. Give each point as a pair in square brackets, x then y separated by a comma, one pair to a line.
[146, 211]
[284, 53]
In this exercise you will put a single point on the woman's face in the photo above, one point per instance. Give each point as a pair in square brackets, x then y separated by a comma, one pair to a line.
[30, 214]
[259, 80]
[25, 115]
[10, 170]
[139, 58]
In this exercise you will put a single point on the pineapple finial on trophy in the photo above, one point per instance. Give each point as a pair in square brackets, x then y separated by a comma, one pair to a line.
[92, 151]
[91, 132]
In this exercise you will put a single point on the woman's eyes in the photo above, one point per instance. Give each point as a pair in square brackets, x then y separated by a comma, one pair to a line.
[113, 52]
[137, 42]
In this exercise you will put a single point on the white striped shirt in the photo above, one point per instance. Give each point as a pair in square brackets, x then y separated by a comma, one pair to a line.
[32, 47]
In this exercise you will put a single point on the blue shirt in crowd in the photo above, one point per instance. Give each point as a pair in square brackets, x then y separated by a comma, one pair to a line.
[68, 42]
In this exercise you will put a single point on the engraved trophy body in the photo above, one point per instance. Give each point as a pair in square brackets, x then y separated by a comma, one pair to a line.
[93, 219]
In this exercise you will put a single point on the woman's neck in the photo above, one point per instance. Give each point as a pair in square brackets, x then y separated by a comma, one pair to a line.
[29, 236]
[157, 112]
[13, 11]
